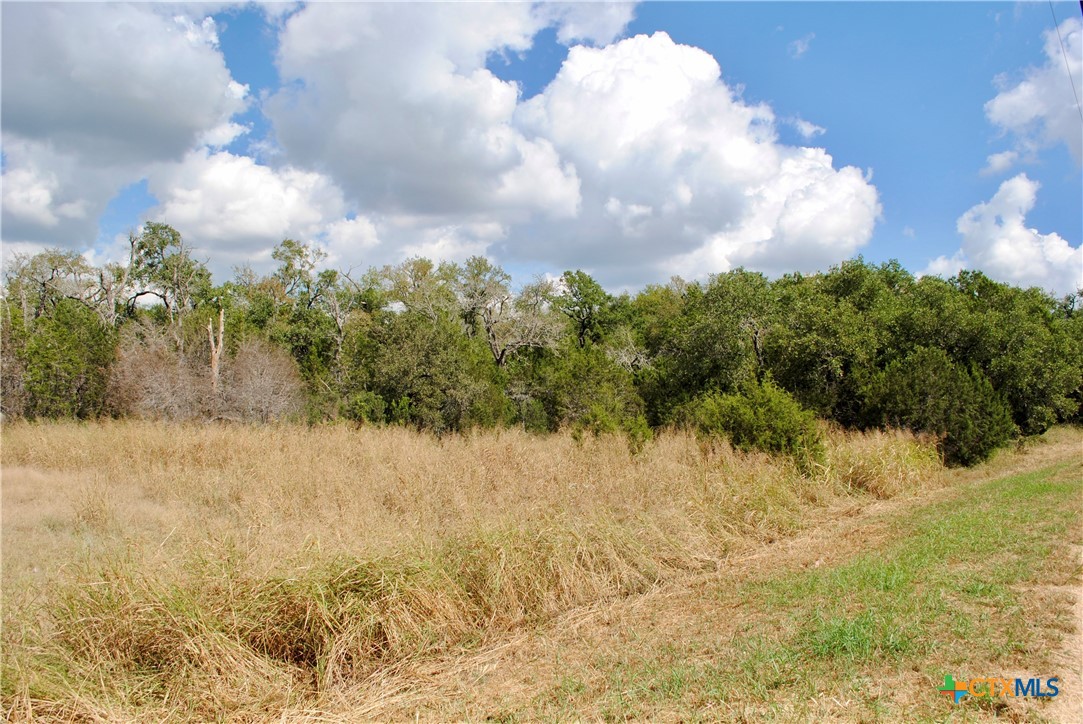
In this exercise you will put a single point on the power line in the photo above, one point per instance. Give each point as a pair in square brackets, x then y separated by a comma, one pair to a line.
[1064, 54]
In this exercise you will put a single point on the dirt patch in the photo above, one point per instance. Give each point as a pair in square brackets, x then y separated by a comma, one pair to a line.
[1068, 660]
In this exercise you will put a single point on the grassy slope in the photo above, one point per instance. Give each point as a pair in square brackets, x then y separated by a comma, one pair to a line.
[857, 619]
[190, 573]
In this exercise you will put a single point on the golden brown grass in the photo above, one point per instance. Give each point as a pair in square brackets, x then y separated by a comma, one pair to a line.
[179, 572]
[738, 644]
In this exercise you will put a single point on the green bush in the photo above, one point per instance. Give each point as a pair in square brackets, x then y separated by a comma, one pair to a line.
[761, 417]
[584, 390]
[926, 392]
[67, 363]
[638, 432]
[364, 406]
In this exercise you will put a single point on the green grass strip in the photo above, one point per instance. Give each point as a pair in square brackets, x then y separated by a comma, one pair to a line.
[945, 593]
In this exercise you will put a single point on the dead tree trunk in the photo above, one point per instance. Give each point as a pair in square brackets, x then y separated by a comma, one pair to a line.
[216, 347]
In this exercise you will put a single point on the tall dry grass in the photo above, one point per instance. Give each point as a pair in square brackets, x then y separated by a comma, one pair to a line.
[195, 572]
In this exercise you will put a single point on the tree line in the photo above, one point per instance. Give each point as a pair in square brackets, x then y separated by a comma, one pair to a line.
[448, 347]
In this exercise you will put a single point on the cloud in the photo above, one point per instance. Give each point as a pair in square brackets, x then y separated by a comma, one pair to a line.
[1041, 109]
[205, 31]
[236, 209]
[91, 94]
[223, 135]
[678, 172]
[82, 93]
[396, 103]
[997, 241]
[805, 218]
[945, 266]
[28, 196]
[347, 240]
[1000, 162]
[800, 46]
[454, 242]
[55, 199]
[233, 211]
[589, 22]
[807, 130]
[391, 137]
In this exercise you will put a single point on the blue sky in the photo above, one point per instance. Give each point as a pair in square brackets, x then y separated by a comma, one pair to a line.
[634, 141]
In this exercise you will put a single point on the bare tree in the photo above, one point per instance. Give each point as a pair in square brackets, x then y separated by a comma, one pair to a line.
[216, 348]
[623, 349]
[478, 285]
[515, 323]
[152, 379]
[162, 266]
[508, 322]
[262, 384]
[114, 285]
[37, 282]
[13, 396]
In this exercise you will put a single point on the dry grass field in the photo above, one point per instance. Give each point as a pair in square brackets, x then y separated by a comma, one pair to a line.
[170, 572]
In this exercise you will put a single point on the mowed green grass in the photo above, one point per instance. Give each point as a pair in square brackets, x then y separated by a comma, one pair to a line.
[970, 585]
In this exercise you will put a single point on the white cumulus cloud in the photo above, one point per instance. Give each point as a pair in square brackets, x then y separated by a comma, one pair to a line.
[591, 22]
[945, 266]
[92, 93]
[396, 103]
[678, 172]
[346, 241]
[1040, 108]
[28, 196]
[238, 210]
[807, 129]
[998, 242]
[390, 137]
[1000, 162]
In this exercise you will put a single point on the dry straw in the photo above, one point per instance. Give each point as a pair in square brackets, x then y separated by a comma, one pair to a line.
[196, 572]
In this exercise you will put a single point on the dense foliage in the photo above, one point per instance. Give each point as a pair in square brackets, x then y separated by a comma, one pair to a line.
[449, 347]
[761, 416]
[927, 391]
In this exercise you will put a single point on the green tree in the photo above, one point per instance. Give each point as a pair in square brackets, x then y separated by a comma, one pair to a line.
[832, 330]
[1068, 322]
[654, 314]
[311, 337]
[419, 367]
[1028, 356]
[583, 301]
[163, 267]
[927, 392]
[583, 388]
[1018, 338]
[297, 263]
[67, 358]
[716, 343]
